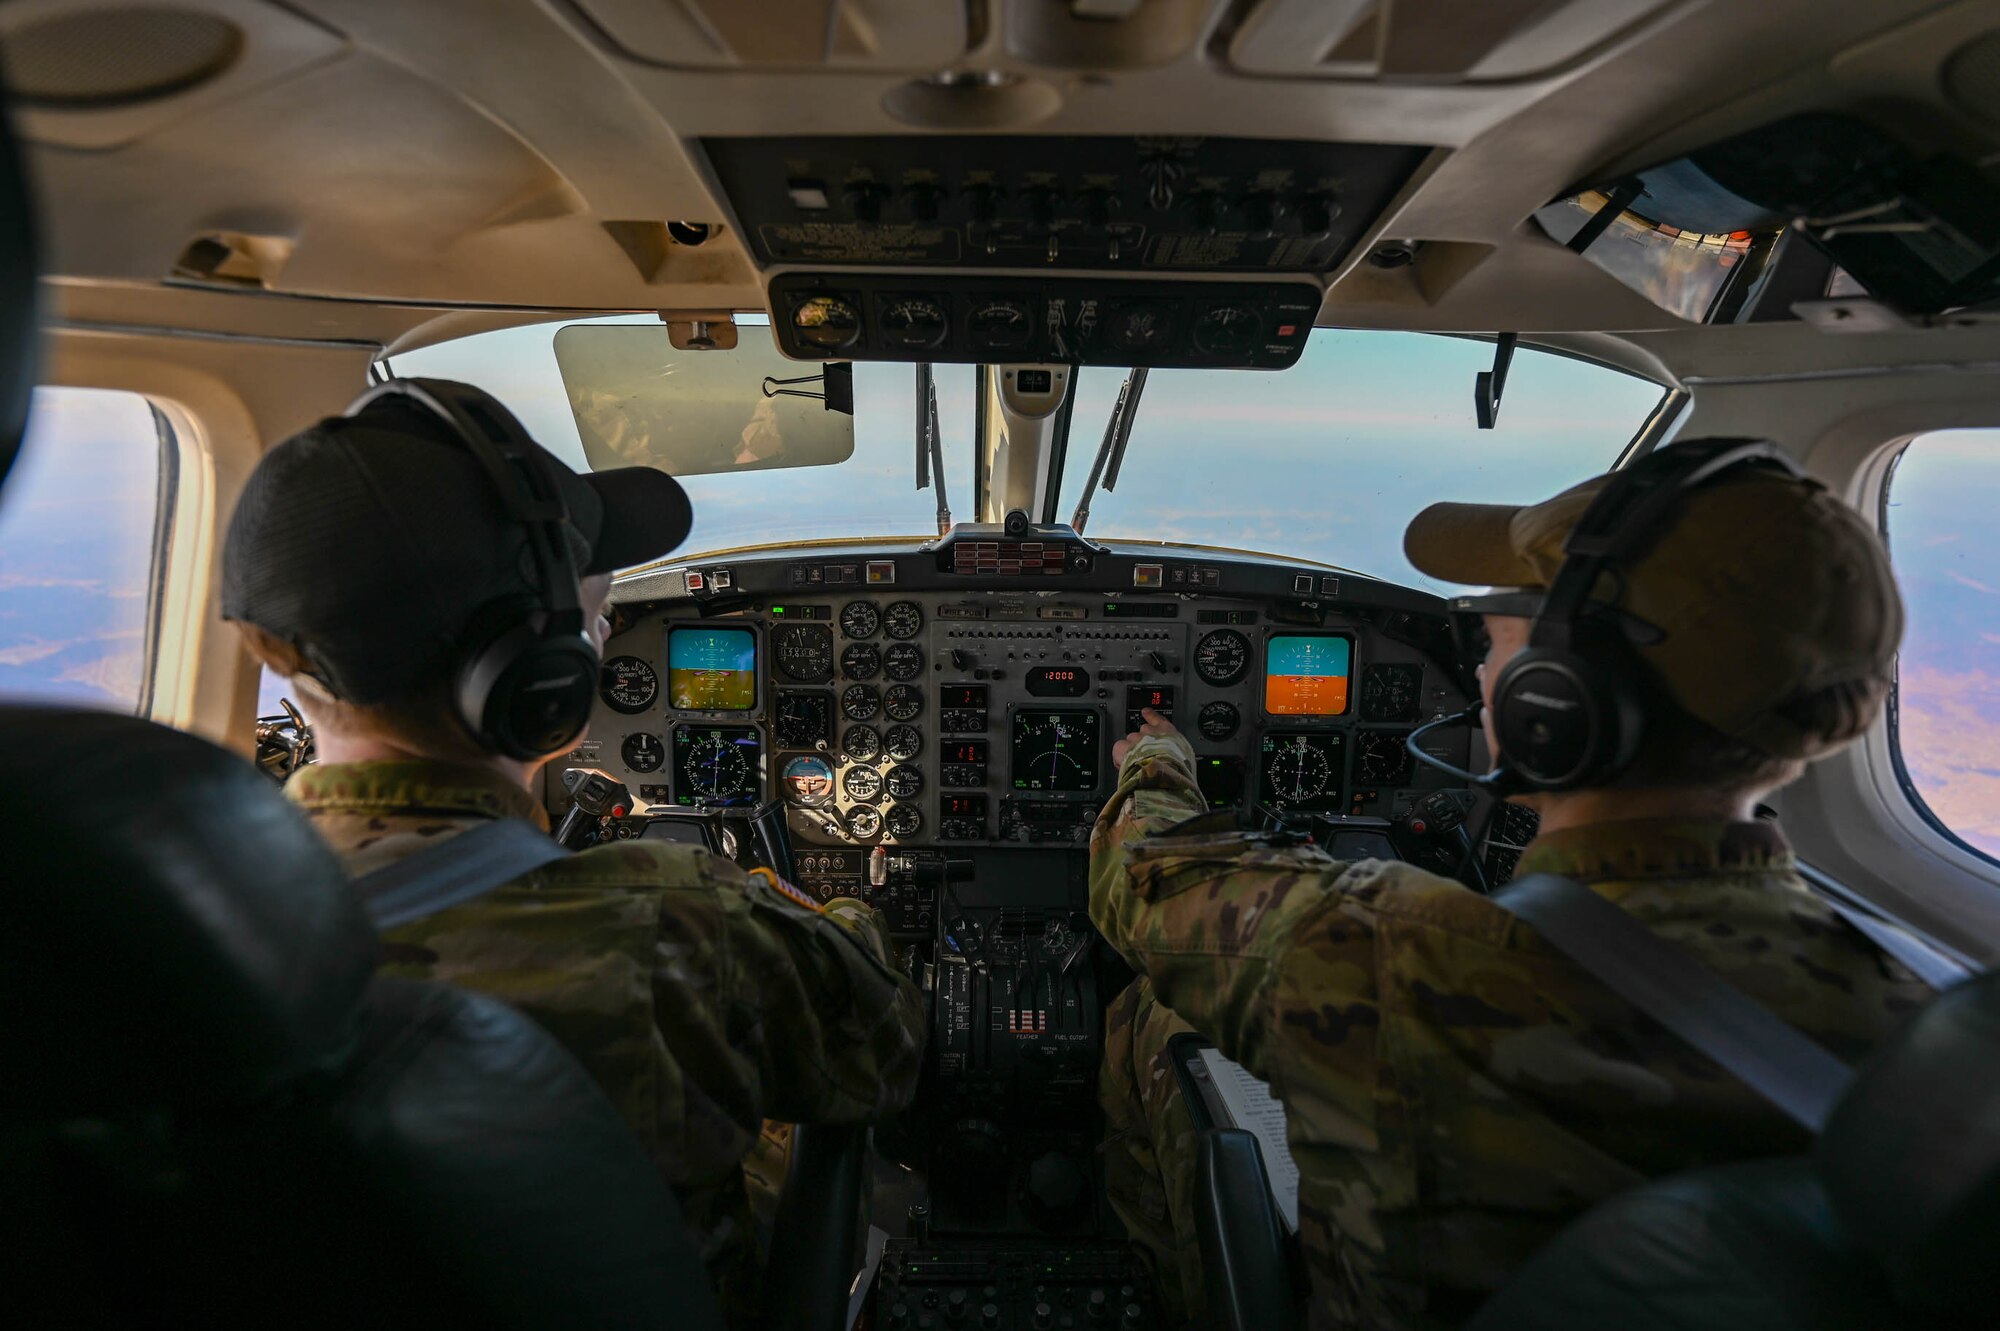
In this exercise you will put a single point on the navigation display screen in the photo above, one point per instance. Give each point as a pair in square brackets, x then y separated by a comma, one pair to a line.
[711, 669]
[1056, 750]
[1306, 674]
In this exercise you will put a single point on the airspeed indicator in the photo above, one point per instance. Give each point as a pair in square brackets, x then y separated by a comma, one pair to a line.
[628, 684]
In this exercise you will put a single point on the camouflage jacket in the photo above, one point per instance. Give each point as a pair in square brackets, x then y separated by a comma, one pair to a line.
[1455, 1089]
[702, 1001]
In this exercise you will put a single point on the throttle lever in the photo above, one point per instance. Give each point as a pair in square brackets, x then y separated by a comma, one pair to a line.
[594, 794]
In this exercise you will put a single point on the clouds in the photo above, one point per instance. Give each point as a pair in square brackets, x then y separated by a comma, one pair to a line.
[1949, 729]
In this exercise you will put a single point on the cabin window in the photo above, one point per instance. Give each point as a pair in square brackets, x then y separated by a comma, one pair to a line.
[84, 521]
[1938, 517]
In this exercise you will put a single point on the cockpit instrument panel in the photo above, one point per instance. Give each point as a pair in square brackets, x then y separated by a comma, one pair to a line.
[1057, 752]
[711, 669]
[717, 766]
[1306, 674]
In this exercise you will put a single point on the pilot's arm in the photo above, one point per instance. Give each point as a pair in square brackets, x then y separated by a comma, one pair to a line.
[807, 1020]
[1267, 953]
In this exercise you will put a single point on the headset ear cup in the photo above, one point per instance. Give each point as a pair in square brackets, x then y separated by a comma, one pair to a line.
[526, 696]
[1562, 721]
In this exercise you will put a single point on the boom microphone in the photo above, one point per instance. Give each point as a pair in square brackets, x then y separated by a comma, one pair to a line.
[1500, 782]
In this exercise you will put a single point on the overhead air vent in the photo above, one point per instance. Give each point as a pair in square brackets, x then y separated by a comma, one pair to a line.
[102, 58]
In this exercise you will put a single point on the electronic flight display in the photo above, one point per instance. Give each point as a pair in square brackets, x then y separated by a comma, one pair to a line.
[711, 669]
[1307, 674]
[1056, 751]
[717, 767]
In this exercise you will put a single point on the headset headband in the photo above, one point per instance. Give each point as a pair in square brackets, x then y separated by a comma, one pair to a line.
[522, 478]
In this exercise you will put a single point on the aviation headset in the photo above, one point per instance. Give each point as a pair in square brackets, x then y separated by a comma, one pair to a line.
[1568, 709]
[524, 673]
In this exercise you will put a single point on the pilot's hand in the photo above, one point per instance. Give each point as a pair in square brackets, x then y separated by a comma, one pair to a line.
[1154, 724]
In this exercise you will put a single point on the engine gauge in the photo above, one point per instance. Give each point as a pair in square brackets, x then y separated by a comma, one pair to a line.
[861, 783]
[863, 823]
[860, 619]
[903, 660]
[1382, 758]
[904, 702]
[628, 684]
[1221, 657]
[1218, 720]
[904, 782]
[861, 660]
[643, 752]
[903, 619]
[904, 742]
[860, 743]
[1227, 330]
[999, 325]
[826, 322]
[804, 652]
[860, 703]
[808, 781]
[803, 720]
[905, 821]
[915, 322]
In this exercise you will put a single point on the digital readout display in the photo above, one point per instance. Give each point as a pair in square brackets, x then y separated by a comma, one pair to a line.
[964, 751]
[711, 669]
[1307, 674]
[962, 695]
[962, 806]
[1058, 682]
[1159, 697]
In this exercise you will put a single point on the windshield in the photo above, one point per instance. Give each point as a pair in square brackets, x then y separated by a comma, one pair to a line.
[1326, 461]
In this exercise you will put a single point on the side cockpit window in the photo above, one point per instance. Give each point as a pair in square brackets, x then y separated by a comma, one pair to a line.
[1939, 519]
[84, 521]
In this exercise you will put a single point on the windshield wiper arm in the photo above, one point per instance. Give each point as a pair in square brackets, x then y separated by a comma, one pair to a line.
[930, 448]
[1111, 453]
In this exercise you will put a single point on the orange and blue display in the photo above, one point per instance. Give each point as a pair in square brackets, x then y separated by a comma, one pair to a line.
[1307, 674]
[712, 670]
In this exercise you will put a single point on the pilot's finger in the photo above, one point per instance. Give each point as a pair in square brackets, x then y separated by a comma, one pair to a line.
[1121, 748]
[1155, 723]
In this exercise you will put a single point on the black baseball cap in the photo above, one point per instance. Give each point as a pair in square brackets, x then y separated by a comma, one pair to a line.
[371, 542]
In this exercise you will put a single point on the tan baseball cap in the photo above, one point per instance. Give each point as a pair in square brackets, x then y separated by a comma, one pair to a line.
[1763, 589]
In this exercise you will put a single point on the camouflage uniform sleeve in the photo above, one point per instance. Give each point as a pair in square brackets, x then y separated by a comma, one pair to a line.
[826, 1028]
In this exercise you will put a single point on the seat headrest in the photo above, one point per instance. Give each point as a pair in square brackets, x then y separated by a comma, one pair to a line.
[173, 931]
[1911, 1155]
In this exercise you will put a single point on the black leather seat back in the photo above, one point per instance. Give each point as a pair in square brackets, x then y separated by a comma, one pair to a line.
[210, 1113]
[1911, 1156]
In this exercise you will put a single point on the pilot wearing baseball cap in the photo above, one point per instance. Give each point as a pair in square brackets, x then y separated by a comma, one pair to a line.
[1658, 650]
[435, 586]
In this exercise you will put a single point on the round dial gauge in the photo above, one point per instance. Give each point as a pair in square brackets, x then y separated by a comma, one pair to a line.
[904, 619]
[905, 782]
[716, 770]
[808, 781]
[904, 702]
[1218, 720]
[1383, 758]
[804, 652]
[862, 783]
[863, 823]
[860, 703]
[999, 324]
[804, 720]
[1391, 692]
[860, 743]
[1227, 330]
[917, 322]
[643, 752]
[1221, 657]
[628, 684]
[905, 821]
[826, 322]
[860, 661]
[903, 660]
[1298, 771]
[860, 619]
[904, 742]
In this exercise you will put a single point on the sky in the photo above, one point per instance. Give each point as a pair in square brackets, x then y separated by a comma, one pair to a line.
[1327, 461]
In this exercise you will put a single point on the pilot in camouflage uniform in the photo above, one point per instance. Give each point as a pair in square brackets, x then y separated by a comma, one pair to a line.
[1455, 1089]
[368, 555]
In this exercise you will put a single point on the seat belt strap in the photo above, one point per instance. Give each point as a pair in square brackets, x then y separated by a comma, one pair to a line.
[1768, 1055]
[456, 870]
